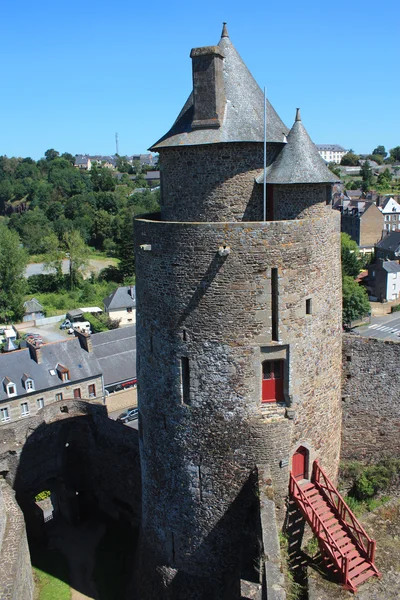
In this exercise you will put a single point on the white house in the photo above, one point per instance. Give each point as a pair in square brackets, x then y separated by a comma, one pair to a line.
[391, 211]
[121, 305]
[384, 280]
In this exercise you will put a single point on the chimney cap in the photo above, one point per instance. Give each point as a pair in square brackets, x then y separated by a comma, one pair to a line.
[206, 51]
[298, 117]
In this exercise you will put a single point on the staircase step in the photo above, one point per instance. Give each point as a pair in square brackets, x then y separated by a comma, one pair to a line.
[335, 527]
[307, 486]
[355, 581]
[355, 562]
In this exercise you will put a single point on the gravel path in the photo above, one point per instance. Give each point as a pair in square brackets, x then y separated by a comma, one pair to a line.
[95, 265]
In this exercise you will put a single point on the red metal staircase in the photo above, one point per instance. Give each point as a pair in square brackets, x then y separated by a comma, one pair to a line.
[342, 540]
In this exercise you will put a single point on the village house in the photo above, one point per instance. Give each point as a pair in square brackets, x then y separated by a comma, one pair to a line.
[39, 375]
[121, 305]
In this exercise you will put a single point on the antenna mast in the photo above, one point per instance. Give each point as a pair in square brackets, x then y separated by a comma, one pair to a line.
[265, 157]
[116, 144]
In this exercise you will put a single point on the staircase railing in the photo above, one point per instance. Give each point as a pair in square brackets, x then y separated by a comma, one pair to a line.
[328, 542]
[324, 484]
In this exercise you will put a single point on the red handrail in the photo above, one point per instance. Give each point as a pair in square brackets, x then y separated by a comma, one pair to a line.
[317, 524]
[328, 489]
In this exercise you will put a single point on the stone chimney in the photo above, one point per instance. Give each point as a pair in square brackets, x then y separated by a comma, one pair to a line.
[208, 87]
[85, 340]
[35, 352]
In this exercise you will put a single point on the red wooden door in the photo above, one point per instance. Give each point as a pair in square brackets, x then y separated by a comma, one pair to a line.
[299, 463]
[77, 392]
[272, 381]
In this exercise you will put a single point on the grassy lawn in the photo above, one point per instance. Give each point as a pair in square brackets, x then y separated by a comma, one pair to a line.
[49, 587]
[50, 572]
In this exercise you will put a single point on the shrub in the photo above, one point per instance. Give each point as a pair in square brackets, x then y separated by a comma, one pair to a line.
[42, 495]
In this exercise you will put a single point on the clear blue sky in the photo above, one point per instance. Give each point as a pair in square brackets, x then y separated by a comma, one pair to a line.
[74, 73]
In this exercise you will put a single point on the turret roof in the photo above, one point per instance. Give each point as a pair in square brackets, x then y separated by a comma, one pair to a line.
[243, 119]
[299, 160]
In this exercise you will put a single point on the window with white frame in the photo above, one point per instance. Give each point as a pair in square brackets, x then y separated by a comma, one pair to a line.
[29, 385]
[4, 414]
[40, 403]
[24, 409]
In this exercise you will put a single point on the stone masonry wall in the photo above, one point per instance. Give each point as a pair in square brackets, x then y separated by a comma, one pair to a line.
[299, 201]
[370, 394]
[215, 311]
[215, 182]
[16, 580]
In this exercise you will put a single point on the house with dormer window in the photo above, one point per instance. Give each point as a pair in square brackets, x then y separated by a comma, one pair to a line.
[36, 376]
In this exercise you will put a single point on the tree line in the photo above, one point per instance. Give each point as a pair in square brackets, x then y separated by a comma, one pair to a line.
[51, 208]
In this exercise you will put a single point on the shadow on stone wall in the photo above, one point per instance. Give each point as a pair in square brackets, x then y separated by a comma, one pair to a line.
[230, 552]
[87, 532]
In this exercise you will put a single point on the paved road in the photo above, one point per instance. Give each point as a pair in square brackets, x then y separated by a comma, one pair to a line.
[95, 266]
[382, 328]
[133, 424]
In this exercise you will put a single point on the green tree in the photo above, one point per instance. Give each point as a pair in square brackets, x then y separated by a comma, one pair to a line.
[67, 156]
[380, 150]
[350, 256]
[13, 261]
[367, 176]
[78, 254]
[51, 154]
[102, 179]
[54, 255]
[384, 179]
[395, 154]
[350, 159]
[125, 243]
[376, 158]
[32, 226]
[355, 300]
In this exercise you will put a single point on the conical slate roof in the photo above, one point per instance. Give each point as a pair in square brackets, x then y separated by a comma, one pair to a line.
[243, 119]
[299, 160]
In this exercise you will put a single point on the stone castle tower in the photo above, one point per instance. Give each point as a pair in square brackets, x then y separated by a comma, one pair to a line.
[238, 329]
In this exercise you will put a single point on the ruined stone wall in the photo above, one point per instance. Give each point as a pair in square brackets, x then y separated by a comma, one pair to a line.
[370, 394]
[214, 182]
[198, 449]
[16, 580]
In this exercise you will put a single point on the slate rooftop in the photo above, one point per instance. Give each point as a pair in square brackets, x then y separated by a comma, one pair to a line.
[115, 351]
[19, 364]
[123, 297]
[243, 118]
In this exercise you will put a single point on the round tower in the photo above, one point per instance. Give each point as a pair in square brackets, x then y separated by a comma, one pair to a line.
[238, 328]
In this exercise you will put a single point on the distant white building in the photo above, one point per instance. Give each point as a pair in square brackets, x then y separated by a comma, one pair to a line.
[331, 152]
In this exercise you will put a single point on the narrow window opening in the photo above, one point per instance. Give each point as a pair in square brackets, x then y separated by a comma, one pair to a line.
[184, 337]
[308, 306]
[348, 358]
[200, 485]
[185, 379]
[173, 546]
[274, 304]
[165, 422]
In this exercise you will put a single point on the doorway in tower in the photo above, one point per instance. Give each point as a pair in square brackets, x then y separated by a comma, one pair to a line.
[272, 381]
[300, 460]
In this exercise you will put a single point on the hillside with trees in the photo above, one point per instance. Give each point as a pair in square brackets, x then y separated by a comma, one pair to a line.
[51, 210]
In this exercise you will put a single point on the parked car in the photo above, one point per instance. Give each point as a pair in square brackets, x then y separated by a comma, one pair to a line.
[65, 324]
[128, 415]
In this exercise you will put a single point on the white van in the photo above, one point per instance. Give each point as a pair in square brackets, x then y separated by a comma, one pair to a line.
[82, 326]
